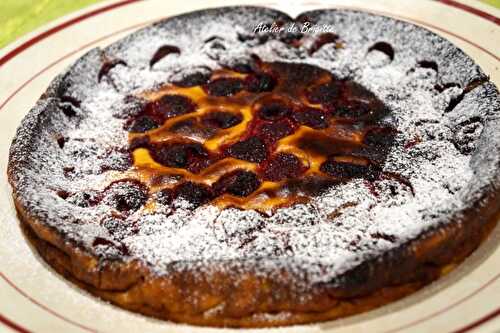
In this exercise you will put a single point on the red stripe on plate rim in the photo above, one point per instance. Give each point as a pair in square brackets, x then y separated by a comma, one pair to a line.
[472, 10]
[9, 323]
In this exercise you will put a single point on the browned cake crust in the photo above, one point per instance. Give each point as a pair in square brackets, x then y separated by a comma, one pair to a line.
[260, 302]
[325, 174]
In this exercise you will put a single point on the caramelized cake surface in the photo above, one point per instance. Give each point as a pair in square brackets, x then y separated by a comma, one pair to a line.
[200, 172]
[265, 137]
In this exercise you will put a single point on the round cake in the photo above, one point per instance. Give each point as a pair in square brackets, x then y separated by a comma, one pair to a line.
[239, 167]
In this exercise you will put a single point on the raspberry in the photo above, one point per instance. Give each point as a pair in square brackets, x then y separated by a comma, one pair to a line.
[252, 150]
[126, 195]
[191, 156]
[240, 183]
[193, 79]
[274, 111]
[221, 119]
[272, 132]
[197, 194]
[224, 87]
[311, 117]
[283, 166]
[142, 124]
[169, 106]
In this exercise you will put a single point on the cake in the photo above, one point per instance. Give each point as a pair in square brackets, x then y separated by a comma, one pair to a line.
[236, 167]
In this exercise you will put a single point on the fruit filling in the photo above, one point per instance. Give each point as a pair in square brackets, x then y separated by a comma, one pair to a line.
[257, 136]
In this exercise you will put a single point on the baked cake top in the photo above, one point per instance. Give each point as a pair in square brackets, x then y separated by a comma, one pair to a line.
[196, 143]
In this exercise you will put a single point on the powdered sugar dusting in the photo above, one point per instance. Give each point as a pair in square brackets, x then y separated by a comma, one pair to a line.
[445, 156]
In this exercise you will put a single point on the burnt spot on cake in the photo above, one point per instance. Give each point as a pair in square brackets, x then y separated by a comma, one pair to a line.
[221, 119]
[224, 87]
[252, 150]
[376, 144]
[195, 193]
[312, 117]
[142, 124]
[325, 94]
[260, 82]
[282, 166]
[321, 40]
[354, 110]
[107, 66]
[383, 47]
[274, 110]
[197, 78]
[162, 52]
[126, 195]
[169, 106]
[240, 183]
[380, 137]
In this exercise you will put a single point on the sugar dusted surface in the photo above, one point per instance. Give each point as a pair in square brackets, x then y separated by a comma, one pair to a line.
[315, 242]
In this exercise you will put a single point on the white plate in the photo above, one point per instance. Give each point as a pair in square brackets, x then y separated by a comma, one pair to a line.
[33, 298]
